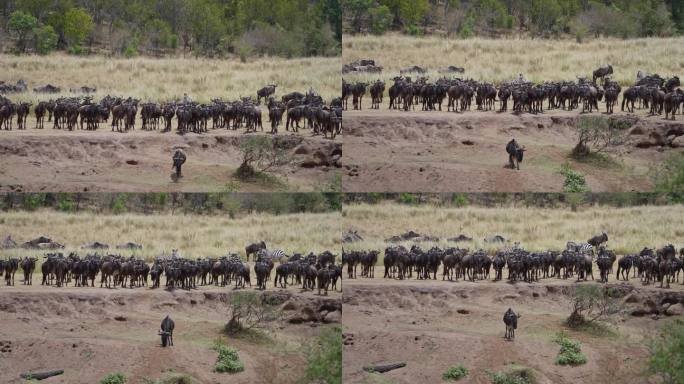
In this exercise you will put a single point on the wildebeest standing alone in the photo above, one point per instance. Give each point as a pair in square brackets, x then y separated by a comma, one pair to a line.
[515, 154]
[511, 320]
[178, 161]
[166, 332]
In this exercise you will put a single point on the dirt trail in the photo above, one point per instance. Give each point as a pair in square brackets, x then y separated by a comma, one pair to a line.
[433, 325]
[90, 332]
[444, 151]
[139, 161]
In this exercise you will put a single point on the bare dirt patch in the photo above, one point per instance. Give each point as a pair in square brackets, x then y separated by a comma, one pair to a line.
[433, 325]
[444, 151]
[79, 161]
[90, 332]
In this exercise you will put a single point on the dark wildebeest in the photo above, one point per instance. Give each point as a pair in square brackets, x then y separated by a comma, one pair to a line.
[265, 92]
[376, 91]
[515, 154]
[511, 320]
[603, 72]
[166, 331]
[252, 249]
[178, 161]
[598, 239]
[28, 265]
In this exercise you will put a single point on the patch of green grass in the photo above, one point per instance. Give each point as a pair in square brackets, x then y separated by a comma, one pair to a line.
[254, 336]
[574, 181]
[513, 374]
[228, 359]
[455, 373]
[325, 358]
[570, 351]
[597, 329]
[599, 160]
[114, 378]
[667, 351]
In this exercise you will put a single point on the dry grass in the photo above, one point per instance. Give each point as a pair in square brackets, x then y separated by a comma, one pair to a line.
[169, 78]
[628, 229]
[193, 235]
[496, 60]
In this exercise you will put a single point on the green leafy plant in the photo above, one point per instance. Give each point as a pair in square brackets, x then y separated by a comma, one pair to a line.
[46, 39]
[574, 181]
[570, 351]
[408, 198]
[228, 359]
[513, 374]
[667, 350]
[325, 357]
[114, 378]
[455, 373]
[248, 310]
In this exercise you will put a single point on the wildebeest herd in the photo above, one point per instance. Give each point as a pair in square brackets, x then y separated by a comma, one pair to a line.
[651, 91]
[82, 112]
[575, 261]
[114, 270]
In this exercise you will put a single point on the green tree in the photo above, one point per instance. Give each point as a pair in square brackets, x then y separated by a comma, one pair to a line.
[46, 39]
[77, 26]
[380, 19]
[21, 24]
[413, 11]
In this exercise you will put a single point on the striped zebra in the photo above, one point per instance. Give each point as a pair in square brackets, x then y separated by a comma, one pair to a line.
[274, 254]
[581, 248]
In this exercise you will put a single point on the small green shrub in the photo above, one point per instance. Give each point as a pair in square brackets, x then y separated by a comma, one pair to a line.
[114, 378]
[574, 181]
[459, 200]
[513, 374]
[667, 351]
[228, 359]
[454, 373]
[119, 203]
[570, 351]
[407, 198]
[325, 357]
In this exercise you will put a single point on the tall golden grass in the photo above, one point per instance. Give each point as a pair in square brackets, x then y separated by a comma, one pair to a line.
[497, 60]
[628, 229]
[193, 235]
[161, 79]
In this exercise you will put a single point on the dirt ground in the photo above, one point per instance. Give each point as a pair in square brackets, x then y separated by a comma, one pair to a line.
[140, 161]
[91, 332]
[432, 325]
[443, 151]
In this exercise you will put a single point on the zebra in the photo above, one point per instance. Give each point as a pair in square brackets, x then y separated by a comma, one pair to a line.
[581, 248]
[275, 254]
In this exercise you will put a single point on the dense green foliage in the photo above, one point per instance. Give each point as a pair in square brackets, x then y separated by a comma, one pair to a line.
[570, 351]
[290, 28]
[114, 378]
[465, 18]
[574, 181]
[325, 358]
[232, 204]
[228, 359]
[513, 374]
[667, 353]
[455, 373]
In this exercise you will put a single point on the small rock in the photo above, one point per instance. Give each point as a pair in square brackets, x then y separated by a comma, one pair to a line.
[132, 162]
[675, 310]
[463, 311]
[120, 318]
[302, 150]
[468, 142]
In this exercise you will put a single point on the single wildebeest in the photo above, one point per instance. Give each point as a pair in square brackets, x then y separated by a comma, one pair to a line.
[178, 161]
[511, 320]
[252, 249]
[598, 239]
[166, 332]
[265, 92]
[515, 154]
[603, 72]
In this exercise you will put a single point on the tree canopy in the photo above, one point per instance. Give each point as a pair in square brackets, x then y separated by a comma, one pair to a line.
[546, 18]
[203, 27]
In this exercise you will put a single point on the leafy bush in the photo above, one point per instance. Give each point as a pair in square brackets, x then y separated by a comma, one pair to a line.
[21, 24]
[669, 177]
[380, 19]
[46, 39]
[592, 303]
[513, 374]
[325, 357]
[574, 181]
[65, 204]
[667, 353]
[455, 372]
[570, 351]
[597, 134]
[33, 201]
[248, 310]
[228, 359]
[119, 203]
[259, 154]
[114, 378]
[408, 198]
[459, 200]
[77, 25]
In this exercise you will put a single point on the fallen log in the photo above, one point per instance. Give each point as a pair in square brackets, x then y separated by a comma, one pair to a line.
[41, 375]
[384, 367]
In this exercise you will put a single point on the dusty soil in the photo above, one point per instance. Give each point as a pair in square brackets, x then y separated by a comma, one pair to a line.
[91, 332]
[432, 325]
[445, 151]
[140, 161]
